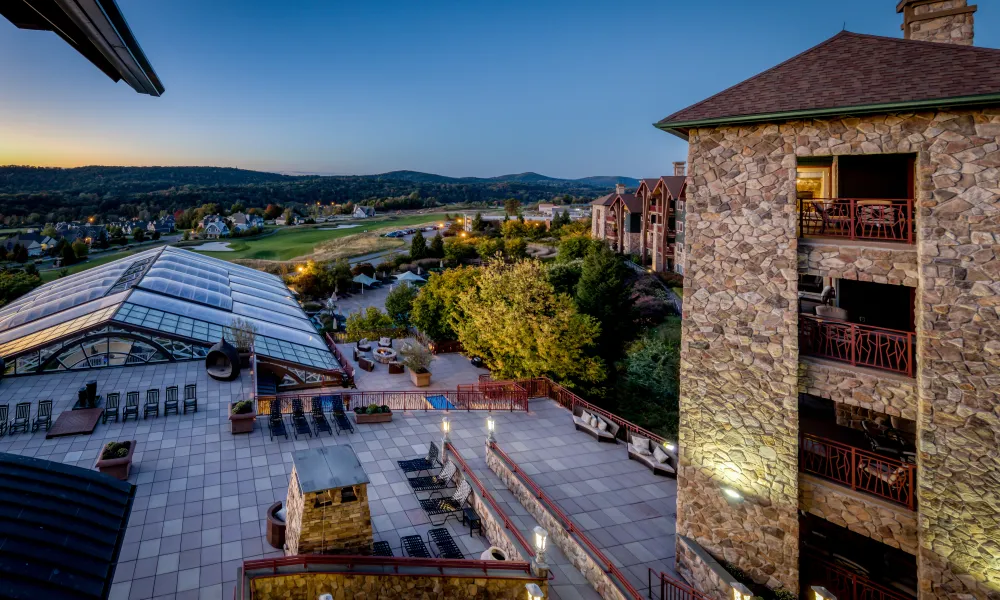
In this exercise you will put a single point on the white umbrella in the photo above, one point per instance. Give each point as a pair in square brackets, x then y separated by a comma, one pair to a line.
[363, 280]
[408, 276]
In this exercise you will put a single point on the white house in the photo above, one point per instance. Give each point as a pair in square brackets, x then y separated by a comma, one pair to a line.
[363, 212]
[215, 230]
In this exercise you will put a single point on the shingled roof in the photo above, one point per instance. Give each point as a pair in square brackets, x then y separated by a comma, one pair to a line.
[674, 184]
[853, 73]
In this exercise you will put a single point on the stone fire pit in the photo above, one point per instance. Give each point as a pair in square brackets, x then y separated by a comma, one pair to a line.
[384, 355]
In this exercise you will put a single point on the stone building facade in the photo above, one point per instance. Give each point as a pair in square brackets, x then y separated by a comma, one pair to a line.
[947, 21]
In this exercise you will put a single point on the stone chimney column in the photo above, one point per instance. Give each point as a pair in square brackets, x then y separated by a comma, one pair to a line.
[619, 188]
[943, 21]
[679, 168]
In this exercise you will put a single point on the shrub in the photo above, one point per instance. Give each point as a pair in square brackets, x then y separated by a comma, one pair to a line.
[241, 334]
[370, 320]
[365, 268]
[373, 409]
[243, 407]
[385, 408]
[415, 356]
[115, 450]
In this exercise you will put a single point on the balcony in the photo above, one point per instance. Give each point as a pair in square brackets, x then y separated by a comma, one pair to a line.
[857, 344]
[889, 220]
[889, 478]
[847, 581]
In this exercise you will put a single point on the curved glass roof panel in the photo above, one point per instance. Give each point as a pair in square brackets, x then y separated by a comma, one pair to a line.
[285, 309]
[52, 304]
[262, 285]
[174, 267]
[271, 316]
[186, 291]
[211, 284]
[259, 293]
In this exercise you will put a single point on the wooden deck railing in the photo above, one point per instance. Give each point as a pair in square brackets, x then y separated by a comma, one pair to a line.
[671, 589]
[499, 396]
[846, 584]
[882, 220]
[881, 476]
[856, 344]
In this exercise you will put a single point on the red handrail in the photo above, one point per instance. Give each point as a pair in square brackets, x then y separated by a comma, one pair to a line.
[879, 475]
[506, 396]
[488, 497]
[857, 344]
[848, 585]
[878, 219]
[566, 522]
[344, 365]
[672, 589]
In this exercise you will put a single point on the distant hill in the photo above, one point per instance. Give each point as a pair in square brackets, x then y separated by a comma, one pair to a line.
[601, 181]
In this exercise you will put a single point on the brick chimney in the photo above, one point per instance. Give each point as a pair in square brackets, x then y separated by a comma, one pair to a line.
[679, 168]
[944, 21]
[619, 188]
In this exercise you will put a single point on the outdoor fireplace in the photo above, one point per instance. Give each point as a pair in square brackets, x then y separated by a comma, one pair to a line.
[327, 504]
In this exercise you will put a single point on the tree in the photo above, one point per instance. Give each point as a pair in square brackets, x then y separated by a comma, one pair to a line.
[365, 268]
[399, 303]
[139, 234]
[458, 249]
[436, 249]
[50, 231]
[604, 294]
[14, 284]
[3, 252]
[418, 246]
[575, 248]
[187, 235]
[515, 321]
[435, 304]
[647, 393]
[289, 216]
[273, 211]
[156, 235]
[511, 206]
[515, 248]
[80, 249]
[477, 223]
[236, 207]
[20, 253]
[368, 322]
[564, 276]
[489, 247]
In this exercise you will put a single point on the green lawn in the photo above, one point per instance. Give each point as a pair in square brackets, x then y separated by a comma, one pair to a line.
[48, 276]
[293, 242]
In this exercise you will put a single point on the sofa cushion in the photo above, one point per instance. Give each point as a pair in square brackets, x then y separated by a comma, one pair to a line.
[641, 445]
[586, 416]
[594, 421]
[602, 425]
[660, 456]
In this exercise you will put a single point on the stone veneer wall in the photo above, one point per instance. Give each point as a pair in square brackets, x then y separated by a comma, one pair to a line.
[739, 354]
[737, 422]
[894, 395]
[578, 557]
[882, 521]
[493, 527]
[308, 586]
[695, 564]
[897, 266]
[338, 528]
[952, 29]
[598, 216]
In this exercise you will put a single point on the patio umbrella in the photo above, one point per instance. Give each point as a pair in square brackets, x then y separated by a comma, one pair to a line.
[408, 276]
[363, 280]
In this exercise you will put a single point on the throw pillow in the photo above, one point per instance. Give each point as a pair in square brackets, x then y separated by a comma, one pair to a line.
[641, 445]
[660, 456]
[586, 416]
[593, 421]
[602, 425]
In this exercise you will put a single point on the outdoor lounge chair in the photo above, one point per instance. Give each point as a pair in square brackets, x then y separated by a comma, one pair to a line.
[299, 423]
[363, 345]
[660, 459]
[43, 416]
[603, 430]
[131, 406]
[416, 465]
[381, 549]
[22, 417]
[190, 397]
[276, 426]
[152, 404]
[319, 418]
[4, 410]
[434, 482]
[413, 545]
[366, 364]
[343, 422]
[446, 546]
[385, 342]
[111, 407]
[170, 401]
[450, 506]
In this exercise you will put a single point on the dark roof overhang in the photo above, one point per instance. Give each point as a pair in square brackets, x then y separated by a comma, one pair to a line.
[97, 30]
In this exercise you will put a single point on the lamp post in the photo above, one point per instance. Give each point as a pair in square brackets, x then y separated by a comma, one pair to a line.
[740, 591]
[491, 426]
[534, 592]
[541, 540]
[821, 593]
[445, 430]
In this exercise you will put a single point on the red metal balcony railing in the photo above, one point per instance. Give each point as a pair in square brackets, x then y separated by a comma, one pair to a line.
[860, 345]
[884, 220]
[881, 476]
[671, 589]
[848, 585]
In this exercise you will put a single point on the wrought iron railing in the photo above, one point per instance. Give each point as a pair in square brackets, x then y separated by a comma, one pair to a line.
[670, 588]
[345, 365]
[885, 220]
[846, 584]
[860, 345]
[879, 475]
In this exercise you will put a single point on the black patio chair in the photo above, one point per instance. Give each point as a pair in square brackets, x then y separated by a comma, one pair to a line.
[170, 401]
[22, 417]
[434, 482]
[131, 406]
[335, 402]
[190, 397]
[450, 506]
[446, 546]
[276, 426]
[299, 423]
[319, 418]
[43, 416]
[152, 404]
[343, 422]
[413, 545]
[416, 465]
[111, 407]
[4, 410]
[381, 549]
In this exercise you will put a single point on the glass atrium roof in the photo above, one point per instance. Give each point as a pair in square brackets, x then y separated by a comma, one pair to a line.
[173, 291]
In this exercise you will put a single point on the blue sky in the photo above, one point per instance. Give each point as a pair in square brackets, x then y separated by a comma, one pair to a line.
[568, 89]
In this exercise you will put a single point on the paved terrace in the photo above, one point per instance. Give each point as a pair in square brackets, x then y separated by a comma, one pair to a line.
[202, 493]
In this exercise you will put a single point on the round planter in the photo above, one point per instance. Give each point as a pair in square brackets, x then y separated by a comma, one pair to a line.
[493, 553]
[241, 423]
[275, 527]
[119, 468]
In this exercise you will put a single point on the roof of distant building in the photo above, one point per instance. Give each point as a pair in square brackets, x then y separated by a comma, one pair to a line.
[674, 184]
[852, 73]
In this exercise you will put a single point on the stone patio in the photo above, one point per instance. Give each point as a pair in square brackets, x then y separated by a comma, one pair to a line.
[202, 493]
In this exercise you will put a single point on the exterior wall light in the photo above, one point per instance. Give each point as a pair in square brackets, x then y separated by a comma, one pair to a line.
[534, 592]
[491, 427]
[541, 540]
[669, 446]
[326, 597]
[732, 494]
[821, 593]
[740, 591]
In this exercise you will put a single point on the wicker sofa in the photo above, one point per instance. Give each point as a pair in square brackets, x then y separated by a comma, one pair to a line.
[644, 450]
[607, 434]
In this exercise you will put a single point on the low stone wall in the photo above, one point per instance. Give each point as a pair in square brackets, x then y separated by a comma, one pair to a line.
[894, 395]
[493, 527]
[308, 586]
[701, 570]
[850, 260]
[882, 521]
[574, 550]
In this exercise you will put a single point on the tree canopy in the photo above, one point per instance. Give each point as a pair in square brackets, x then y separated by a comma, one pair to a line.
[435, 306]
[399, 303]
[604, 294]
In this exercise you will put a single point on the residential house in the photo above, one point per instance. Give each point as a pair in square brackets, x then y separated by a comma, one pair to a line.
[363, 212]
[215, 230]
[617, 218]
[35, 243]
[242, 222]
[838, 405]
[163, 226]
[663, 220]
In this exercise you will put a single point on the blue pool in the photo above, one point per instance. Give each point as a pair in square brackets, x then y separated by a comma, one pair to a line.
[439, 402]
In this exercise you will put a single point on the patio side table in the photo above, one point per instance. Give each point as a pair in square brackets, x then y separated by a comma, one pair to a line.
[475, 522]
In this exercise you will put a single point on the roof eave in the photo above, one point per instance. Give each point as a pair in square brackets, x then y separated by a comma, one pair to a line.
[681, 128]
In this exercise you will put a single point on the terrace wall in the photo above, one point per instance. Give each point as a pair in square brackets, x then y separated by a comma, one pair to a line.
[308, 586]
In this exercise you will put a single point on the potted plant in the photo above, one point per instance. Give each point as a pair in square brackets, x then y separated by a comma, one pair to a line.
[116, 459]
[241, 416]
[241, 334]
[417, 358]
[372, 414]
